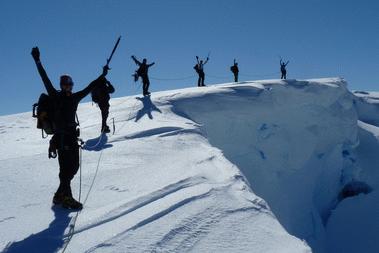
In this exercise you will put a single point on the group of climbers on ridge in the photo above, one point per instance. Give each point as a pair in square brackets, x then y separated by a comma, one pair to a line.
[56, 115]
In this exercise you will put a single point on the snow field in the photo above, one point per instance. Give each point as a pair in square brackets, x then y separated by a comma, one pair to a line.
[249, 167]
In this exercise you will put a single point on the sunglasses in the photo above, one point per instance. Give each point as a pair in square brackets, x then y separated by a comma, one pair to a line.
[68, 84]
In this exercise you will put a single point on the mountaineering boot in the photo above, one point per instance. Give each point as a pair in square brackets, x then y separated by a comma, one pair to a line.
[58, 199]
[70, 203]
[105, 129]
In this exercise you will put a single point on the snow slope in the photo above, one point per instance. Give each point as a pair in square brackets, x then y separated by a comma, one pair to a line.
[248, 167]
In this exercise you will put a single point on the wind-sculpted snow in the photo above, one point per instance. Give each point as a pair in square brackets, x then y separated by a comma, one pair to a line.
[367, 105]
[253, 167]
[294, 142]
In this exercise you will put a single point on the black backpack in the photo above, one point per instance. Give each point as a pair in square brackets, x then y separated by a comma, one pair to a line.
[44, 114]
[137, 74]
[98, 93]
[196, 67]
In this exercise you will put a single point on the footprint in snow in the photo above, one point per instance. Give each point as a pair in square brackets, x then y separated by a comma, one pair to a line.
[115, 188]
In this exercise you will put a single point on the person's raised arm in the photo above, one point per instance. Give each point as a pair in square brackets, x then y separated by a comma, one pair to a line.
[136, 61]
[45, 79]
[206, 61]
[151, 64]
[101, 79]
[286, 63]
[197, 59]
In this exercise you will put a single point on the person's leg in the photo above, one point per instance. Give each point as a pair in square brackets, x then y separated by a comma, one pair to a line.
[199, 81]
[202, 80]
[64, 178]
[104, 107]
[235, 77]
[68, 157]
[74, 163]
[147, 85]
[143, 85]
[62, 160]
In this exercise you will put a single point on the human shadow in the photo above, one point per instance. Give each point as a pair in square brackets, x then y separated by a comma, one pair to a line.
[47, 241]
[97, 144]
[148, 108]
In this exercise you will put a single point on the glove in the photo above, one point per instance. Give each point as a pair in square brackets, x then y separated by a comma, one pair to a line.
[35, 53]
[105, 70]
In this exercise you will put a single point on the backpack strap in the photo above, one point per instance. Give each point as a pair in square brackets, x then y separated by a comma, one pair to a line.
[43, 136]
[77, 119]
[34, 110]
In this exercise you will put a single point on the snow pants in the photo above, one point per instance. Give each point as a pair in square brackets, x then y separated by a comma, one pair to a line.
[104, 108]
[284, 75]
[200, 81]
[68, 157]
[235, 77]
[146, 84]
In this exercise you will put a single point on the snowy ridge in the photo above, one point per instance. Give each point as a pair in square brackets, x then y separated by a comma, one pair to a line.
[184, 170]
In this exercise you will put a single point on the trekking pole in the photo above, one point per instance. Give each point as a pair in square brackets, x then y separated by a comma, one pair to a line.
[80, 173]
[114, 127]
[114, 49]
[81, 143]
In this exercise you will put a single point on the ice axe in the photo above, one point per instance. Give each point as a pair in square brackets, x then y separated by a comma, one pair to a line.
[114, 49]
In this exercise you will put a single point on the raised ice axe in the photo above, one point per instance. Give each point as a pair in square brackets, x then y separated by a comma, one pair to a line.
[114, 49]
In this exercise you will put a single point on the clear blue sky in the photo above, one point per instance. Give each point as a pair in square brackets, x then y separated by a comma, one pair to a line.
[320, 38]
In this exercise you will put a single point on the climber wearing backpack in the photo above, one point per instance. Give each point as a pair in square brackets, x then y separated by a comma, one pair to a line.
[65, 138]
[143, 73]
[100, 95]
[235, 70]
[199, 67]
[283, 69]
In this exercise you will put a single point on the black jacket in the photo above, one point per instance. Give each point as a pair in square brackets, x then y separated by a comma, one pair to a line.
[65, 106]
[143, 68]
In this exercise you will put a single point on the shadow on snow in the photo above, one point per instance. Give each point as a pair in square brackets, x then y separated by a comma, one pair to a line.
[97, 144]
[49, 240]
[148, 108]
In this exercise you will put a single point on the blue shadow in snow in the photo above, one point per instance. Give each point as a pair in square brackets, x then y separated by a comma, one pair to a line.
[148, 108]
[47, 241]
[97, 144]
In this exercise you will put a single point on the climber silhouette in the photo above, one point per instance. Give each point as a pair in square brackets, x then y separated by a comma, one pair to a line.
[283, 69]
